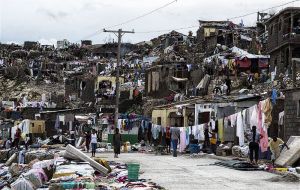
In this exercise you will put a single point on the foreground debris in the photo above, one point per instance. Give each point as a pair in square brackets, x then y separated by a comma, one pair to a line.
[63, 173]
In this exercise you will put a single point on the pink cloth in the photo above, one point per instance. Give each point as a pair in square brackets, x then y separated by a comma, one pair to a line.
[40, 173]
[263, 143]
[182, 145]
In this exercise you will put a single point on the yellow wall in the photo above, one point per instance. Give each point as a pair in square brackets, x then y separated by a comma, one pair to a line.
[164, 114]
[111, 79]
[207, 31]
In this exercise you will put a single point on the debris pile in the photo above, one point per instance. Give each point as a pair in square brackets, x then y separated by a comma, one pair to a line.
[48, 170]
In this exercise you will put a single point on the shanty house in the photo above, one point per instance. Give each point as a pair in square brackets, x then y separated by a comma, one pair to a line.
[284, 39]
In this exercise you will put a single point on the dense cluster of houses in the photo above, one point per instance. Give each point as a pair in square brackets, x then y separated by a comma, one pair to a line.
[172, 79]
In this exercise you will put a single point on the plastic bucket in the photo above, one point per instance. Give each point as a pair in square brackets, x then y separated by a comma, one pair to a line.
[133, 171]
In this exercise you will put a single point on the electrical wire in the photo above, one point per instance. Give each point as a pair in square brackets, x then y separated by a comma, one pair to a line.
[248, 14]
[166, 30]
[90, 36]
[182, 28]
[130, 20]
[141, 16]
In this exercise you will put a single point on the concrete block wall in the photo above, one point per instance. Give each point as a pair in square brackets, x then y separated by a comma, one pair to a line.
[291, 119]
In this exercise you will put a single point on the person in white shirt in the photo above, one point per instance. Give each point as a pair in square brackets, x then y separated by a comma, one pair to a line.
[94, 142]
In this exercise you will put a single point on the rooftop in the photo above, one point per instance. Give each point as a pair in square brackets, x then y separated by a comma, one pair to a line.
[285, 10]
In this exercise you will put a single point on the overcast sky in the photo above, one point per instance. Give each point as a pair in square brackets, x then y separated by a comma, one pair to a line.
[50, 20]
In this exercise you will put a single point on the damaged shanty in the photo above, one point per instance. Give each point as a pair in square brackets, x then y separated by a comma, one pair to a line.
[172, 78]
[80, 87]
[283, 40]
[225, 33]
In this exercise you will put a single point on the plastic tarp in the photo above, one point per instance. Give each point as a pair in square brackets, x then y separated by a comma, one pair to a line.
[204, 82]
[243, 37]
[244, 54]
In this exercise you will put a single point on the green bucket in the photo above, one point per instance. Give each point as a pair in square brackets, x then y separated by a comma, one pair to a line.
[133, 171]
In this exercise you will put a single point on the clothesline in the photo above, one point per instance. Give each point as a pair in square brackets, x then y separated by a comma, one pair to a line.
[258, 115]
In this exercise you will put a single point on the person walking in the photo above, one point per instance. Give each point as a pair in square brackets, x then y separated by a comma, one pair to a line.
[213, 142]
[175, 136]
[88, 141]
[254, 144]
[117, 139]
[168, 139]
[27, 141]
[228, 84]
[94, 142]
[206, 137]
[17, 138]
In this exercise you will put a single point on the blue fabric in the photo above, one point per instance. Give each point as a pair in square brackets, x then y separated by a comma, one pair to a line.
[187, 135]
[174, 145]
[194, 148]
[94, 146]
[274, 96]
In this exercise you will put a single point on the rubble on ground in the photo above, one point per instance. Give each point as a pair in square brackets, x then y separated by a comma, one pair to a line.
[48, 172]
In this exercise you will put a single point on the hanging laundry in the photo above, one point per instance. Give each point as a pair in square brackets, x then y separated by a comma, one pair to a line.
[201, 132]
[254, 117]
[119, 123]
[247, 117]
[281, 118]
[233, 120]
[57, 124]
[187, 134]
[240, 129]
[221, 130]
[244, 116]
[183, 144]
[212, 124]
[274, 96]
[267, 110]
[264, 135]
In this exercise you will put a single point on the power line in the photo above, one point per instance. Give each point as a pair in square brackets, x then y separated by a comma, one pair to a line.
[248, 14]
[143, 15]
[90, 36]
[182, 28]
[130, 20]
[167, 30]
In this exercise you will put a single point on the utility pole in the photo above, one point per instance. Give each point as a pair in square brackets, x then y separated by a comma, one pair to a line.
[119, 33]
